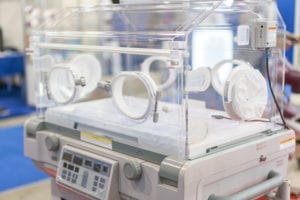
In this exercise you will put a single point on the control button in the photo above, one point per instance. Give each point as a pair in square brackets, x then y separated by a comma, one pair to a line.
[71, 167]
[88, 163]
[63, 176]
[263, 158]
[84, 179]
[95, 183]
[52, 143]
[77, 160]
[101, 186]
[97, 167]
[96, 178]
[105, 170]
[77, 169]
[132, 170]
[68, 178]
[102, 180]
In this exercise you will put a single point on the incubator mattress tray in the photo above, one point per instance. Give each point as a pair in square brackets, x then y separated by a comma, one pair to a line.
[100, 117]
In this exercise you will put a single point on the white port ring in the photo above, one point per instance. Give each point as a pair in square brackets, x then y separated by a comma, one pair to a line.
[245, 93]
[57, 92]
[64, 79]
[146, 65]
[215, 77]
[118, 97]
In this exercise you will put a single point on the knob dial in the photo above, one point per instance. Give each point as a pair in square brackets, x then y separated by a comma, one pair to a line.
[52, 143]
[132, 170]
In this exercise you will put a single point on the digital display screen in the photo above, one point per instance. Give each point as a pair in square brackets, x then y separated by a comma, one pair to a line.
[97, 167]
[105, 169]
[71, 167]
[67, 157]
[88, 163]
[77, 160]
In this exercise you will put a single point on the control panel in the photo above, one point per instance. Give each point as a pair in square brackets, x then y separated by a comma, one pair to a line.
[86, 172]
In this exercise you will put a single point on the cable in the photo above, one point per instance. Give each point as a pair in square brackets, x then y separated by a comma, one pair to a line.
[271, 89]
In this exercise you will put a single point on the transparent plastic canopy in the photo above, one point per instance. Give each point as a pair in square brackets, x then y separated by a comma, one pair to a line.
[175, 78]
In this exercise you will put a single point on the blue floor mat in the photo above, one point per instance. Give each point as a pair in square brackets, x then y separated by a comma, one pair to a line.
[13, 104]
[15, 168]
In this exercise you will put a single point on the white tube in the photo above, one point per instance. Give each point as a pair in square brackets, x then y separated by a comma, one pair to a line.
[126, 50]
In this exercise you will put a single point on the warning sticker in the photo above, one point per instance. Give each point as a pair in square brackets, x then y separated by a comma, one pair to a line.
[287, 142]
[96, 139]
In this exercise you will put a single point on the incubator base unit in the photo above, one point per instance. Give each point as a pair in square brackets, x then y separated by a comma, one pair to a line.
[251, 168]
[174, 100]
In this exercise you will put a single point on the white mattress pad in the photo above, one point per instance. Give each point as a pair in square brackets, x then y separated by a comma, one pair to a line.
[167, 136]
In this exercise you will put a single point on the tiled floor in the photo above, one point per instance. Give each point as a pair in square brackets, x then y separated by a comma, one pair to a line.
[36, 191]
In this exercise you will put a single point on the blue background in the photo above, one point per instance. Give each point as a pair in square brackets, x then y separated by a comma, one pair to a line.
[287, 10]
